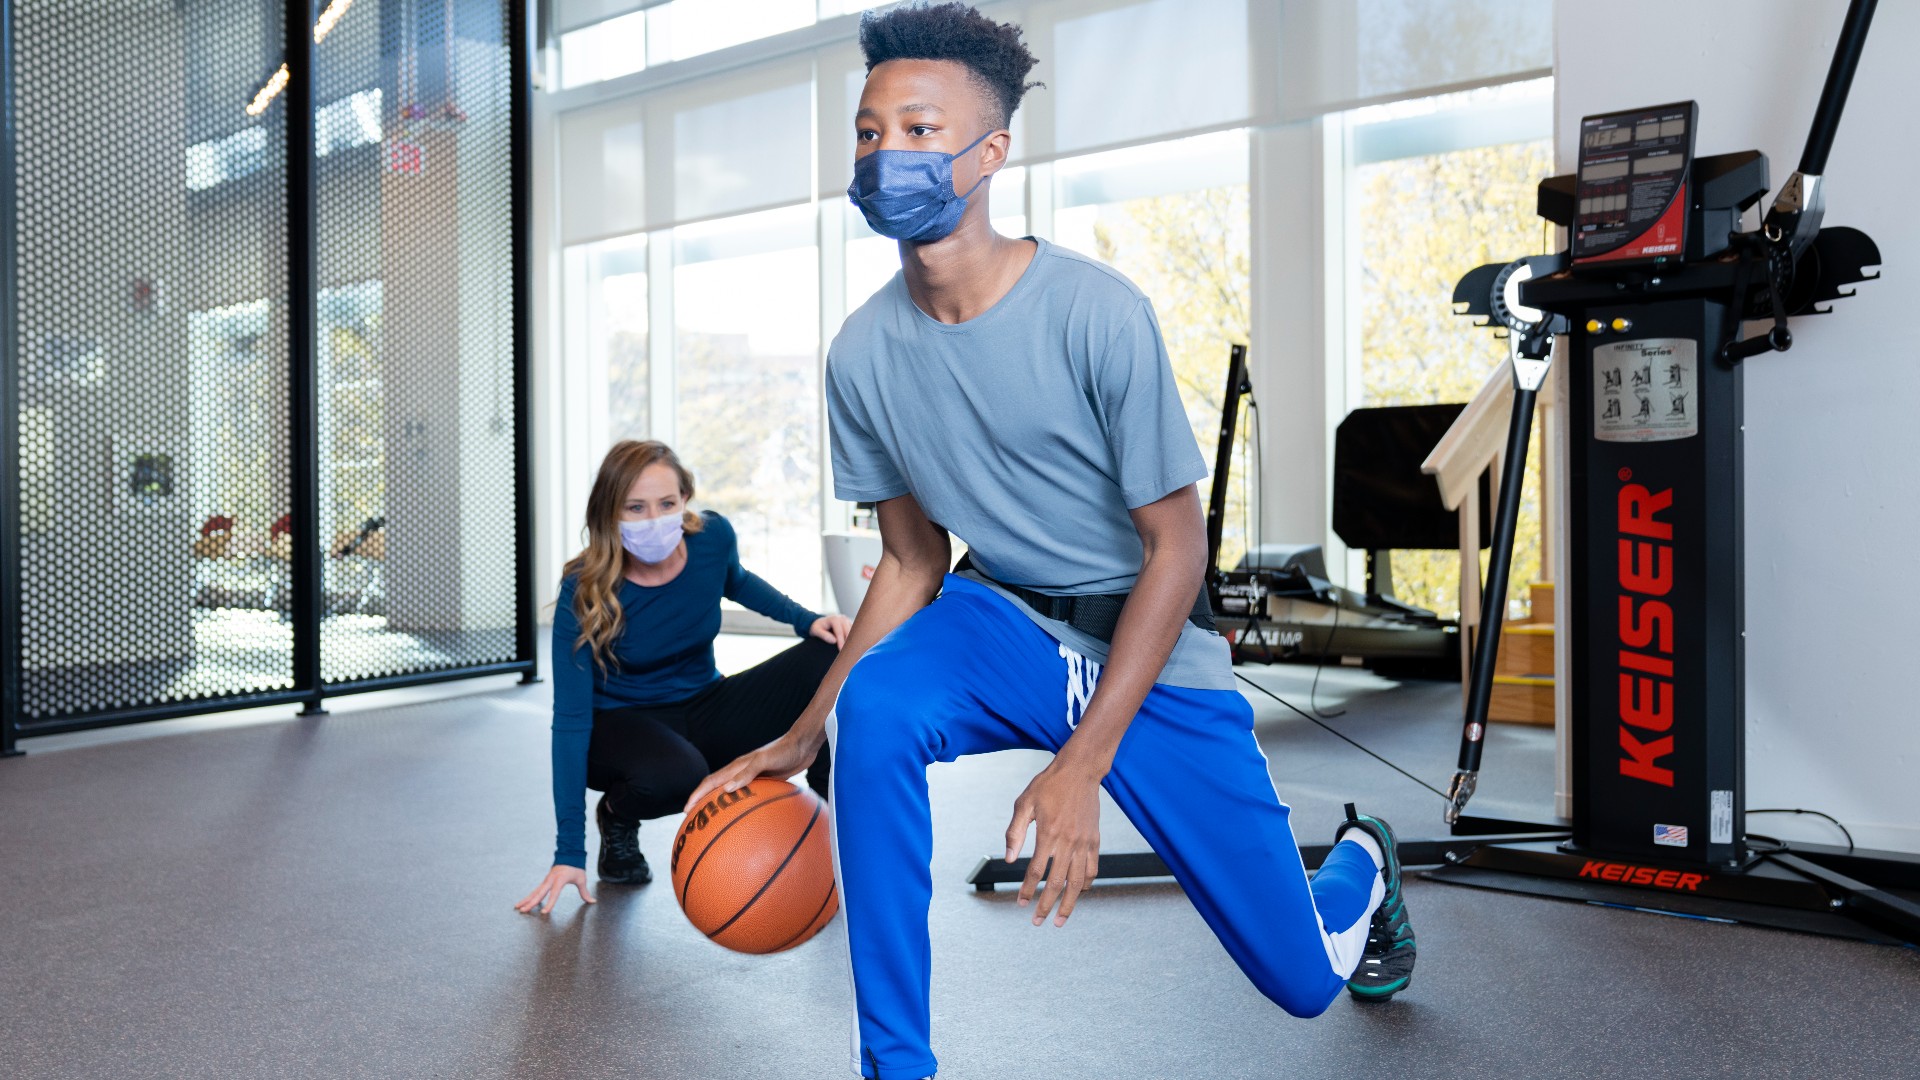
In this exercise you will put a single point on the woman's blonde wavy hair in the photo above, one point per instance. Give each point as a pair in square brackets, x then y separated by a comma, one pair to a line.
[599, 567]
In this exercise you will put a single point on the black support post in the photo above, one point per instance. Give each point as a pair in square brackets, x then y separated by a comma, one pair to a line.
[1833, 94]
[1237, 388]
[10, 579]
[1493, 599]
[520, 44]
[302, 354]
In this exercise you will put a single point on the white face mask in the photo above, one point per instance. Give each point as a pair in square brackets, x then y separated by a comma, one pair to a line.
[651, 540]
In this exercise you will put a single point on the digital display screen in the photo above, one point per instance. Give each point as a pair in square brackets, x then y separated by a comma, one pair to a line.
[1631, 181]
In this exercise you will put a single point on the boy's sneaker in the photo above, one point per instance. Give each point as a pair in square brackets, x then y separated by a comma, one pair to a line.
[1386, 967]
[620, 860]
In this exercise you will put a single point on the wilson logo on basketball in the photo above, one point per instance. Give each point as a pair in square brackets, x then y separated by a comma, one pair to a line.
[698, 819]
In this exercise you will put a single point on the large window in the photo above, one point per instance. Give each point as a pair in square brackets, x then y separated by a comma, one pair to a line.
[673, 31]
[1439, 186]
[605, 50]
[1174, 218]
[746, 306]
[607, 325]
[686, 28]
[737, 393]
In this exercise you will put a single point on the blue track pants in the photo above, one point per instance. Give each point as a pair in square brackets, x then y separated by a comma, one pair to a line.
[971, 674]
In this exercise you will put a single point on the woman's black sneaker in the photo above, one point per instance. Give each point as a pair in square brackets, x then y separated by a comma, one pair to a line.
[1386, 967]
[620, 860]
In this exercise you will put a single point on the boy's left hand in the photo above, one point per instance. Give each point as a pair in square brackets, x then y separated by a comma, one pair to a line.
[1065, 804]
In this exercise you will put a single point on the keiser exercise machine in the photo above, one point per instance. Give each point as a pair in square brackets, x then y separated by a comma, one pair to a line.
[1650, 296]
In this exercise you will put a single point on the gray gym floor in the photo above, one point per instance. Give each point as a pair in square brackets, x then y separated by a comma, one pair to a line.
[259, 896]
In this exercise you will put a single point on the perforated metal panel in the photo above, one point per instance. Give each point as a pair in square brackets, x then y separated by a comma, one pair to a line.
[415, 339]
[152, 385]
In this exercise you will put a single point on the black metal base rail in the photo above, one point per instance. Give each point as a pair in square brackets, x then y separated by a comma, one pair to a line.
[991, 871]
[1812, 888]
[526, 669]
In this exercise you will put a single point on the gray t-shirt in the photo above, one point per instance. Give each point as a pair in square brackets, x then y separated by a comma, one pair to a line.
[1028, 431]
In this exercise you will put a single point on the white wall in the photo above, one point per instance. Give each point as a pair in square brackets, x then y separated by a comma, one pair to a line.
[1831, 435]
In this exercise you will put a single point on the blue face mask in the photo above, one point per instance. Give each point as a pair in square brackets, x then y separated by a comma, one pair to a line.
[908, 194]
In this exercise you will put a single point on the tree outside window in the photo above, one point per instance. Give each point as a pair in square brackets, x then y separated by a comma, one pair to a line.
[1188, 251]
[1422, 223]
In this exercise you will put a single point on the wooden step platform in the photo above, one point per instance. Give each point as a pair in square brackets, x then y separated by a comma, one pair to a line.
[1525, 649]
[1523, 673]
[1540, 598]
[1522, 699]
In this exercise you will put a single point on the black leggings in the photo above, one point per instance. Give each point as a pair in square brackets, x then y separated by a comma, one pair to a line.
[649, 758]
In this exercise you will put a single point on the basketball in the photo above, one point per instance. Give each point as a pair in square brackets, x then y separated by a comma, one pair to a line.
[753, 868]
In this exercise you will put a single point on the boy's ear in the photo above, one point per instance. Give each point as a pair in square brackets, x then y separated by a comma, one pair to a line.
[999, 148]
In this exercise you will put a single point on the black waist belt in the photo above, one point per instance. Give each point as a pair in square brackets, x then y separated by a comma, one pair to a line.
[1097, 614]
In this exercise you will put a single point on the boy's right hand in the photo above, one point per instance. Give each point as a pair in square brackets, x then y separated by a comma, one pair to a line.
[780, 759]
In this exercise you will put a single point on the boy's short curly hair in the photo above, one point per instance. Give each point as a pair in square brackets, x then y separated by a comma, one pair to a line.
[992, 52]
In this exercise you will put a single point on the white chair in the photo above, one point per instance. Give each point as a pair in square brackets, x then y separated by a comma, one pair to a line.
[851, 558]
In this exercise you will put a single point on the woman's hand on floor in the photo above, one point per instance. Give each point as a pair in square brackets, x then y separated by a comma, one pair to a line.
[556, 882]
[832, 629]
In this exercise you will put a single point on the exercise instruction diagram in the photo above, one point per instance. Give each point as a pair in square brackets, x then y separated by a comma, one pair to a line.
[1644, 391]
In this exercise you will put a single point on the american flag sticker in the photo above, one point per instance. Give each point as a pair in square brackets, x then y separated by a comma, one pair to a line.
[1670, 835]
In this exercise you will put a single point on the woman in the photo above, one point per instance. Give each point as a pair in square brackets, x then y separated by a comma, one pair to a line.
[640, 713]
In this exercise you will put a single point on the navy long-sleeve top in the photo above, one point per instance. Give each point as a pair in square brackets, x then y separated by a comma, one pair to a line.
[665, 655]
